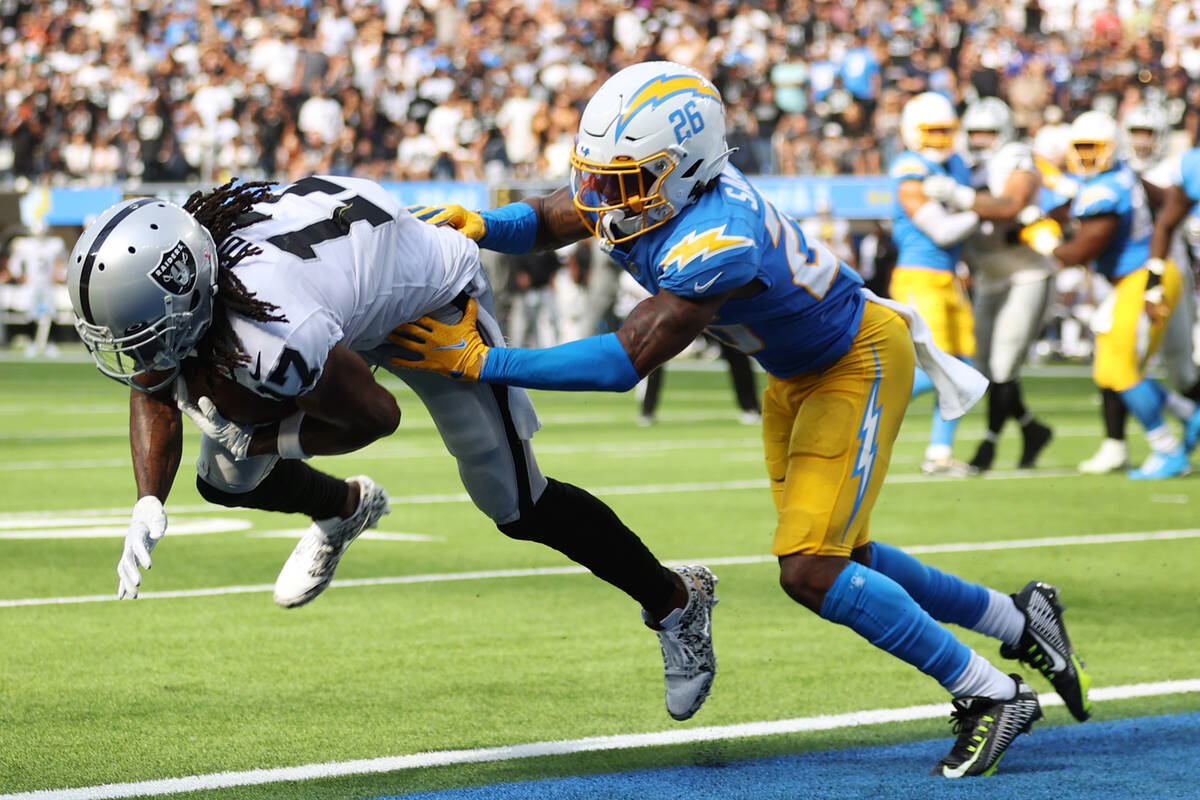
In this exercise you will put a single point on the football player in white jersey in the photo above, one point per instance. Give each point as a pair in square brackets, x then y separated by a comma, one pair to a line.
[260, 313]
[1013, 282]
[36, 261]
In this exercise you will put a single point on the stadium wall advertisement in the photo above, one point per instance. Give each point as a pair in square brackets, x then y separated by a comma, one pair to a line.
[856, 198]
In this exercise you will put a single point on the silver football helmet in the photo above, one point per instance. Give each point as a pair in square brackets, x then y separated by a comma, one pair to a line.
[988, 123]
[1144, 136]
[142, 279]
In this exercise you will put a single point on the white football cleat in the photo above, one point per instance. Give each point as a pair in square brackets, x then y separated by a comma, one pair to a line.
[948, 467]
[689, 664]
[310, 567]
[1112, 456]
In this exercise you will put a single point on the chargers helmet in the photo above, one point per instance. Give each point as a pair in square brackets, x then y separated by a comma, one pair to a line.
[1144, 140]
[1092, 145]
[928, 124]
[650, 141]
[141, 280]
[988, 115]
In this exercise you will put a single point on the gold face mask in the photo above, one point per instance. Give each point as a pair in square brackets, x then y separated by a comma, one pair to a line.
[629, 188]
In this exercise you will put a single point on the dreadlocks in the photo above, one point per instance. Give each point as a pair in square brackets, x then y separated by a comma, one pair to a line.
[223, 211]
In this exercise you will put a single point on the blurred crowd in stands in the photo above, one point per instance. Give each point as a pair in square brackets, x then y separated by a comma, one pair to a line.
[102, 91]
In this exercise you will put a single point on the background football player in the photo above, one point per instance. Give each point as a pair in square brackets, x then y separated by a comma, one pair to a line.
[650, 180]
[929, 237]
[1114, 229]
[261, 313]
[37, 261]
[1012, 282]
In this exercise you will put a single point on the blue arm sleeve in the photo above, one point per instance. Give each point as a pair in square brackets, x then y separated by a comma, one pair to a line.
[597, 363]
[509, 229]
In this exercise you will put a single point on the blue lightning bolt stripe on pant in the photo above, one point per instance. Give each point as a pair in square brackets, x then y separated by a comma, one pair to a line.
[828, 438]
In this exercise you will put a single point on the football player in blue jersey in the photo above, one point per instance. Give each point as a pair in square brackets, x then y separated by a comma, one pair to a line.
[650, 180]
[930, 238]
[1178, 202]
[1114, 230]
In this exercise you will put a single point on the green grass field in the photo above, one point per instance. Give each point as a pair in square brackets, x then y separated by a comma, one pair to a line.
[97, 691]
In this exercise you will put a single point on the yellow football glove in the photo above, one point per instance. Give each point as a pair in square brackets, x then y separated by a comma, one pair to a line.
[454, 350]
[1043, 236]
[470, 223]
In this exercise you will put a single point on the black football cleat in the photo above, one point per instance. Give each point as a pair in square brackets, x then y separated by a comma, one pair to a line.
[985, 728]
[1046, 647]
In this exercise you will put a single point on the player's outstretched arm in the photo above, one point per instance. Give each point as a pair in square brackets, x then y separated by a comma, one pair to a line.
[559, 223]
[658, 328]
[546, 222]
[156, 442]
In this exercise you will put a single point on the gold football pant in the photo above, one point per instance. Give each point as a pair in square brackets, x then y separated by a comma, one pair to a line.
[828, 438]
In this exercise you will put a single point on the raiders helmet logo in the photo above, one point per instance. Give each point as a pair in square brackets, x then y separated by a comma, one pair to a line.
[176, 270]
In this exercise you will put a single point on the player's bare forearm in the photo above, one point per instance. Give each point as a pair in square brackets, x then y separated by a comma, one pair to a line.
[1093, 236]
[1175, 206]
[661, 326]
[1019, 191]
[559, 224]
[155, 441]
[344, 412]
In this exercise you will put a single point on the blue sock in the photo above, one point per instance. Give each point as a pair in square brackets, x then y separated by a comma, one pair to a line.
[947, 598]
[1145, 401]
[921, 383]
[877, 608]
[943, 429]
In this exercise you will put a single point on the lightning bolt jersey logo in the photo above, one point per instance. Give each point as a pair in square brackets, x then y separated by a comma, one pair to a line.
[868, 445]
[655, 92]
[702, 245]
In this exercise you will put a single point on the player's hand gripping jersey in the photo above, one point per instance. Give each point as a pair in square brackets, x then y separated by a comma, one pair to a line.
[344, 263]
[810, 305]
[915, 246]
[1118, 191]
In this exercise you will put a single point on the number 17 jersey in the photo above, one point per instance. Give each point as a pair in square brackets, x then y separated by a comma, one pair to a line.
[343, 263]
[809, 309]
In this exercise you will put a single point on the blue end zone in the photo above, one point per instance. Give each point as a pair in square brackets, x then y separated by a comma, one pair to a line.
[1147, 757]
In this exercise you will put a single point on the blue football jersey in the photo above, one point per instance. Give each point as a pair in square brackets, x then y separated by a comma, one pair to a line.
[916, 248]
[1118, 191]
[810, 310]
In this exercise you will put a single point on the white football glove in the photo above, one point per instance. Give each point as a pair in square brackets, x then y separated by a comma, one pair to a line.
[948, 192]
[148, 525]
[233, 437]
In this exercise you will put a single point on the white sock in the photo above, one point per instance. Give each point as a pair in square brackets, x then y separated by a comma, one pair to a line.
[937, 452]
[981, 679]
[1180, 406]
[1161, 440]
[1001, 619]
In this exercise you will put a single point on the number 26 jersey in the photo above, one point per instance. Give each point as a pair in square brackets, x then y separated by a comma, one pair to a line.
[343, 263]
[810, 306]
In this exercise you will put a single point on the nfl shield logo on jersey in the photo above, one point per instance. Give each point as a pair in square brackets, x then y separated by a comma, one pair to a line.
[176, 270]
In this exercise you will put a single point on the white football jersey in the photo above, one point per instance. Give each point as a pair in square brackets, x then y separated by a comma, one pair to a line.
[33, 259]
[994, 253]
[343, 263]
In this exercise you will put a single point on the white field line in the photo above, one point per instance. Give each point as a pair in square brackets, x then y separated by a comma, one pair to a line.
[121, 528]
[624, 449]
[592, 744]
[442, 577]
[658, 488]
